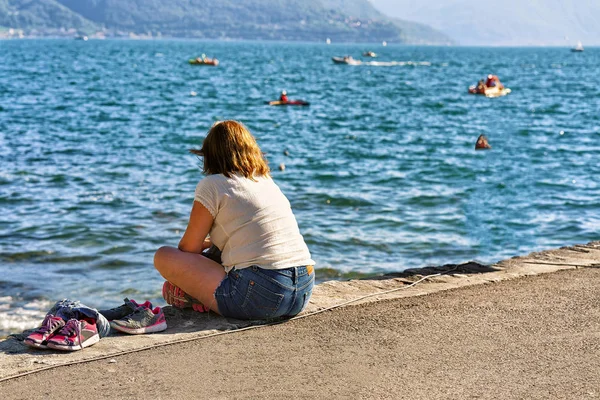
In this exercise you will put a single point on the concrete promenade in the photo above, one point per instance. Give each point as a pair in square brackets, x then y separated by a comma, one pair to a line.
[527, 327]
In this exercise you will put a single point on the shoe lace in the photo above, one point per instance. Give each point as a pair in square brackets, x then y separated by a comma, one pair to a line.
[127, 304]
[49, 324]
[137, 317]
[72, 327]
[137, 311]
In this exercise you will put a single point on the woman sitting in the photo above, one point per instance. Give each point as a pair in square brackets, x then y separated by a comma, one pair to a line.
[266, 271]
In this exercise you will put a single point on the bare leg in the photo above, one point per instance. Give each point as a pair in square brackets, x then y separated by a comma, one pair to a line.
[197, 275]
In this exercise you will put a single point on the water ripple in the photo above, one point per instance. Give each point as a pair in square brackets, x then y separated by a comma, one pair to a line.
[380, 169]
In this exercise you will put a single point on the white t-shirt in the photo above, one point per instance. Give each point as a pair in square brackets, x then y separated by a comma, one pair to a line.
[253, 223]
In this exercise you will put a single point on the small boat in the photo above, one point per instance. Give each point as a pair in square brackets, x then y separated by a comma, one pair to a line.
[346, 60]
[84, 38]
[204, 61]
[578, 48]
[371, 54]
[288, 103]
[490, 91]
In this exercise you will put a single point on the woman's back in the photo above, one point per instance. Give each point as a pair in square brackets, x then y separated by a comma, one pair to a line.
[253, 222]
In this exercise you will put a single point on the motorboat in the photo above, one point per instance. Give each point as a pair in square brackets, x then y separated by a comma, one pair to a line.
[494, 91]
[288, 103]
[371, 54]
[346, 60]
[204, 61]
[578, 48]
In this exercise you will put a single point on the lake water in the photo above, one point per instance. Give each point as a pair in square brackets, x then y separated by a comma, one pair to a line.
[381, 173]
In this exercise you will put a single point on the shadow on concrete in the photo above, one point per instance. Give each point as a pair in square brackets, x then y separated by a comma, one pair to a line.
[178, 321]
[471, 267]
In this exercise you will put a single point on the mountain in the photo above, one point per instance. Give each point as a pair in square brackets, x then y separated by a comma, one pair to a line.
[509, 22]
[357, 8]
[44, 14]
[308, 20]
[417, 33]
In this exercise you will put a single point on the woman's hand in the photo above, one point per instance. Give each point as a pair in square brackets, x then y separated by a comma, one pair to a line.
[194, 239]
[207, 243]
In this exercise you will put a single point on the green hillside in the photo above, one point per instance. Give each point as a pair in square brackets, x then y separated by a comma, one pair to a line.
[41, 14]
[256, 19]
[416, 33]
[307, 20]
[357, 8]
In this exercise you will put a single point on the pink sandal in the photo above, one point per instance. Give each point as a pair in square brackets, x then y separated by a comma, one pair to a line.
[176, 297]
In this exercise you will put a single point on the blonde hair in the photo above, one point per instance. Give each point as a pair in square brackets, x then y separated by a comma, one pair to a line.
[230, 148]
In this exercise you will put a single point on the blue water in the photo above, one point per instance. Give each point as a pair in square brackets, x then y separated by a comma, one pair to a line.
[381, 173]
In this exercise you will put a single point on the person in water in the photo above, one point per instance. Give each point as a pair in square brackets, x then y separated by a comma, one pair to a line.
[481, 86]
[266, 271]
[283, 97]
[482, 143]
[203, 59]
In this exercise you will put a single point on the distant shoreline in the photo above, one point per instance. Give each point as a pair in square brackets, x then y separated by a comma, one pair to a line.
[227, 40]
[190, 39]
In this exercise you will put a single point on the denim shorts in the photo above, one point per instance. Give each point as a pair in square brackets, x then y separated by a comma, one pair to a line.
[258, 293]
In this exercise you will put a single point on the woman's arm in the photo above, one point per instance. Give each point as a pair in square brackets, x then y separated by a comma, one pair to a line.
[194, 239]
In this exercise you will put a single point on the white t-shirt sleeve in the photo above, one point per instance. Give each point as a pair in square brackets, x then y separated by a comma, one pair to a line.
[207, 194]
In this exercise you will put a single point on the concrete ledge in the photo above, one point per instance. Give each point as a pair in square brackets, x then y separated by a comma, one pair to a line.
[188, 325]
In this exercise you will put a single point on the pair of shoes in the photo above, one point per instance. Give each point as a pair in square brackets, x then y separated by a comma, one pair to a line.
[176, 297]
[55, 334]
[125, 309]
[39, 337]
[143, 319]
[75, 335]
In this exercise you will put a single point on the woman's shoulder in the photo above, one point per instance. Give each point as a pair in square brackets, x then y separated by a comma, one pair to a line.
[212, 182]
[235, 180]
[239, 178]
[214, 178]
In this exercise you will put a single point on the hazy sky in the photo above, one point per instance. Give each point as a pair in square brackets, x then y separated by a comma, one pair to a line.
[506, 22]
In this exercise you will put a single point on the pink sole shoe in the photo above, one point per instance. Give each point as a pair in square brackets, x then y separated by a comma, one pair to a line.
[176, 297]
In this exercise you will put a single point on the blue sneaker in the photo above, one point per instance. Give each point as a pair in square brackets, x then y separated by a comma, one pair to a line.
[128, 307]
[142, 320]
